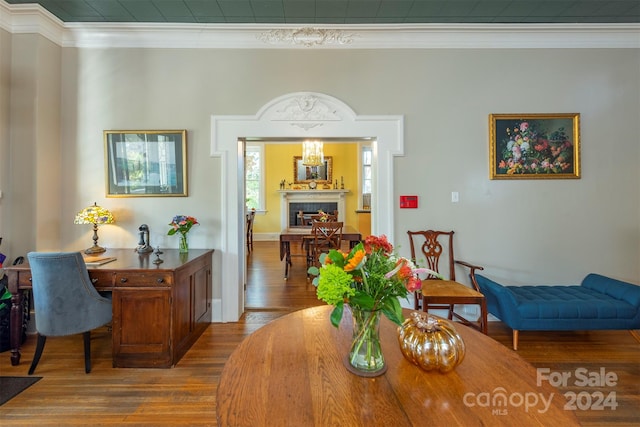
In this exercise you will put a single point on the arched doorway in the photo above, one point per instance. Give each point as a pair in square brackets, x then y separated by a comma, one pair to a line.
[295, 115]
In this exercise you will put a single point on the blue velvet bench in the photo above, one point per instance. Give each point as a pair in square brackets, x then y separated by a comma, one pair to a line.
[598, 303]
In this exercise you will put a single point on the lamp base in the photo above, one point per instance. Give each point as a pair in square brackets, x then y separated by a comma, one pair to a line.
[95, 249]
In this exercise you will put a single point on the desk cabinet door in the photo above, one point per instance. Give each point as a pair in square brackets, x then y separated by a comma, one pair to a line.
[192, 307]
[141, 328]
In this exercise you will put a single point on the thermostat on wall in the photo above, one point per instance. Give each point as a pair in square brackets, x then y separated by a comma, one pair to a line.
[408, 202]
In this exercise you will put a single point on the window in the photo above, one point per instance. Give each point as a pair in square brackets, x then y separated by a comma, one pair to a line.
[367, 155]
[254, 176]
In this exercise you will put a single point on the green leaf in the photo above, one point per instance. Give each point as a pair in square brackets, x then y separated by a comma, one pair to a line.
[322, 258]
[335, 257]
[336, 314]
[362, 300]
[393, 310]
[313, 270]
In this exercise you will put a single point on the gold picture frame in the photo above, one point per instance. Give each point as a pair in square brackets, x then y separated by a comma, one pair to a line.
[534, 146]
[145, 163]
[305, 174]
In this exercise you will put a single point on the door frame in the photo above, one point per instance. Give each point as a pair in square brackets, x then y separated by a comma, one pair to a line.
[294, 115]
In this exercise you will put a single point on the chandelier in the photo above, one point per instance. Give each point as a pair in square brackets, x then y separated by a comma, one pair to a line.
[312, 154]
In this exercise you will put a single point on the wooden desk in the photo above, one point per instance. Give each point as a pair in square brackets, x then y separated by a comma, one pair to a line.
[291, 372]
[159, 311]
[448, 291]
[297, 234]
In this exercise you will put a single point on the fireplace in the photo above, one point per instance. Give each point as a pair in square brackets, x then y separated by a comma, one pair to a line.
[309, 201]
[309, 208]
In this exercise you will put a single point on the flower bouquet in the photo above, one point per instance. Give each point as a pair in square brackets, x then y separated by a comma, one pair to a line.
[370, 279]
[182, 224]
[323, 216]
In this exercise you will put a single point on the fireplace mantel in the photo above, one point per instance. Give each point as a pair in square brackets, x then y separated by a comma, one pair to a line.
[295, 196]
[313, 192]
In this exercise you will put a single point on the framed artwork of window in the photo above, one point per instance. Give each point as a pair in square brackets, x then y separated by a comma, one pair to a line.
[146, 163]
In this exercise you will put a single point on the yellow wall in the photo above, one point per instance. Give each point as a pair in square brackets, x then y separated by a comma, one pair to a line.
[279, 166]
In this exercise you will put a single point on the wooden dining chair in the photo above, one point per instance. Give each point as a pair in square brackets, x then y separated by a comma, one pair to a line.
[251, 216]
[434, 250]
[427, 251]
[309, 219]
[324, 237]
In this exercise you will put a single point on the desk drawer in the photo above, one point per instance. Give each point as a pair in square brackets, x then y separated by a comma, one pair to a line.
[24, 279]
[146, 279]
[101, 279]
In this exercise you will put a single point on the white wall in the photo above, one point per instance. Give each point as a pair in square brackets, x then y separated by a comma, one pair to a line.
[30, 206]
[551, 230]
[529, 231]
[5, 97]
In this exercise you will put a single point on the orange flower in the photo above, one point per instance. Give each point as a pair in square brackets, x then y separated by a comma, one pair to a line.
[374, 243]
[354, 261]
[405, 271]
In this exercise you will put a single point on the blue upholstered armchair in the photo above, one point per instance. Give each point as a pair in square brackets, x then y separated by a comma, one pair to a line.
[65, 301]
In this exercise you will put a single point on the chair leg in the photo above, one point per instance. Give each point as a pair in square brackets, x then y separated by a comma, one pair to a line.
[36, 357]
[87, 351]
[515, 339]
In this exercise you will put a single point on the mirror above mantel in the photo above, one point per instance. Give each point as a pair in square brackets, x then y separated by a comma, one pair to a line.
[305, 174]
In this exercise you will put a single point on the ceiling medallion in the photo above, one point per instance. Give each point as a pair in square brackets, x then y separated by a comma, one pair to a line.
[307, 36]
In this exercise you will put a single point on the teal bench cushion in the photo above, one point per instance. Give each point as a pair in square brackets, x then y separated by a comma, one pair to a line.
[598, 303]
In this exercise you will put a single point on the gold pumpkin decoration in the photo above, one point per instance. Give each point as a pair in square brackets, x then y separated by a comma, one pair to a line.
[430, 342]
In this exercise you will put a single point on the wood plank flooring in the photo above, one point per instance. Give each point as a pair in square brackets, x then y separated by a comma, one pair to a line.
[186, 394]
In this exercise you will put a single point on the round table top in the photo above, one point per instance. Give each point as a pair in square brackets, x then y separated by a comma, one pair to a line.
[290, 372]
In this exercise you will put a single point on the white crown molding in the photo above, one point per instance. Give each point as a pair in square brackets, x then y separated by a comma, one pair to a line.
[32, 18]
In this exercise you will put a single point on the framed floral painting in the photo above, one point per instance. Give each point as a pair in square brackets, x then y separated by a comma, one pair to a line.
[534, 146]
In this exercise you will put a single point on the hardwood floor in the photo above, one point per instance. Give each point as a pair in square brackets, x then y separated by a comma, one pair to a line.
[186, 394]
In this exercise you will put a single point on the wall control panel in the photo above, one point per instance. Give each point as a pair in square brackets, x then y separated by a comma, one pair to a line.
[408, 202]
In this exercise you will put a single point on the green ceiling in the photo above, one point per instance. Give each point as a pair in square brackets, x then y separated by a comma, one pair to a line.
[344, 11]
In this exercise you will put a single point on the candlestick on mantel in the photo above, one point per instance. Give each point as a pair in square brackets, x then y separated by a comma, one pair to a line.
[342, 183]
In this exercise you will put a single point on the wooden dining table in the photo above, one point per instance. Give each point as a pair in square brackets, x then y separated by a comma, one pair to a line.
[298, 234]
[291, 372]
